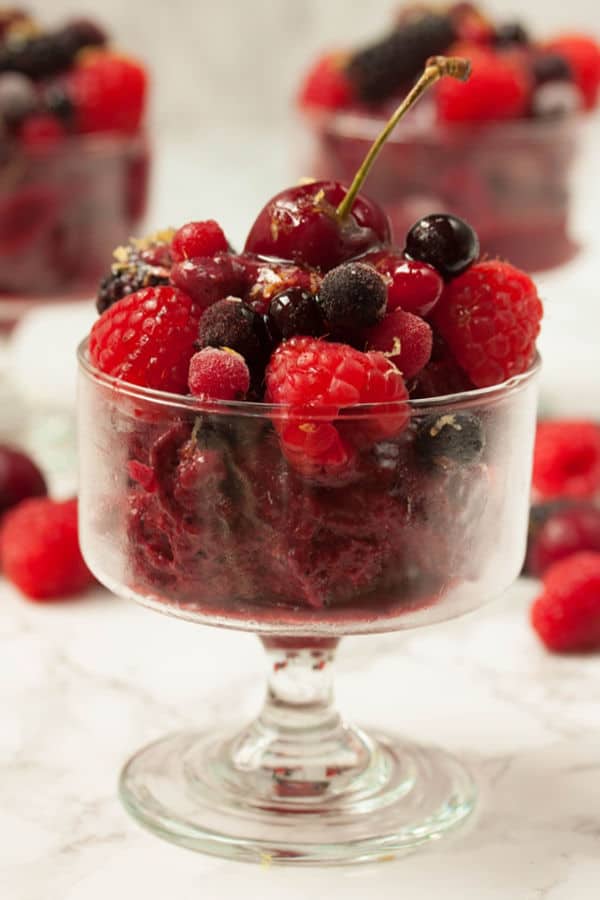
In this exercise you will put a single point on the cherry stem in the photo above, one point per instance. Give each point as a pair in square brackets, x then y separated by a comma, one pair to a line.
[436, 67]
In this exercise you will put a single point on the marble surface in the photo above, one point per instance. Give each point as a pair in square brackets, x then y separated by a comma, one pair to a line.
[84, 684]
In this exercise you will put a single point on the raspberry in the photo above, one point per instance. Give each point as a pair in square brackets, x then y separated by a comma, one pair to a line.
[198, 239]
[147, 338]
[39, 549]
[209, 279]
[439, 378]
[583, 57]
[108, 93]
[566, 615]
[497, 89]
[326, 84]
[305, 374]
[405, 339]
[217, 374]
[353, 295]
[20, 478]
[567, 459]
[490, 317]
[558, 530]
[41, 131]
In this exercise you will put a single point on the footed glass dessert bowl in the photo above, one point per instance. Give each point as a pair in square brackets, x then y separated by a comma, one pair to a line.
[196, 508]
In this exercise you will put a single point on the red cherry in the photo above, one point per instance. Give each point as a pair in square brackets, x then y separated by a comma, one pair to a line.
[300, 224]
[412, 286]
[208, 279]
[20, 478]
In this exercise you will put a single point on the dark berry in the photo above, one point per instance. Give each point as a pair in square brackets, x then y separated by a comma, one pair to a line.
[380, 69]
[295, 311]
[141, 266]
[80, 33]
[38, 57]
[20, 478]
[511, 33]
[229, 323]
[445, 242]
[59, 104]
[547, 67]
[456, 437]
[300, 225]
[353, 296]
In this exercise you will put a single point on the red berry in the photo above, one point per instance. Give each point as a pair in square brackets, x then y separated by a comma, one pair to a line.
[208, 279]
[147, 338]
[41, 131]
[300, 225]
[440, 378]
[108, 92]
[308, 375]
[39, 549]
[562, 532]
[405, 339]
[218, 374]
[20, 478]
[582, 53]
[326, 84]
[498, 88]
[198, 239]
[471, 25]
[566, 615]
[567, 459]
[490, 318]
[412, 286]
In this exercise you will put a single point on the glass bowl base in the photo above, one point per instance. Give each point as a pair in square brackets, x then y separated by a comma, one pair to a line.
[188, 788]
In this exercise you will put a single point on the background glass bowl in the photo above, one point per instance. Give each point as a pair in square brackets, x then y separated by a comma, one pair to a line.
[511, 181]
[192, 509]
[63, 210]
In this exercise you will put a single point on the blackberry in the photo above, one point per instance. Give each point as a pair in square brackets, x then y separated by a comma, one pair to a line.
[548, 67]
[445, 242]
[353, 296]
[382, 68]
[132, 272]
[454, 437]
[230, 323]
[295, 311]
[511, 33]
[44, 55]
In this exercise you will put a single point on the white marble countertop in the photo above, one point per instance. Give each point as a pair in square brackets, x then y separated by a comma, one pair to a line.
[84, 684]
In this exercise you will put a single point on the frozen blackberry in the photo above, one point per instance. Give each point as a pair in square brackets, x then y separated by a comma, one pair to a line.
[230, 323]
[511, 33]
[352, 296]
[142, 264]
[451, 437]
[382, 68]
[295, 311]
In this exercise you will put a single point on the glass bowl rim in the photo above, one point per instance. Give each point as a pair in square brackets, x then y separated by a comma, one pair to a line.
[355, 124]
[465, 399]
[96, 142]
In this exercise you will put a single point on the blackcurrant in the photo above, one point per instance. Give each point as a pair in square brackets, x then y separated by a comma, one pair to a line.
[295, 311]
[446, 242]
[229, 323]
[456, 437]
